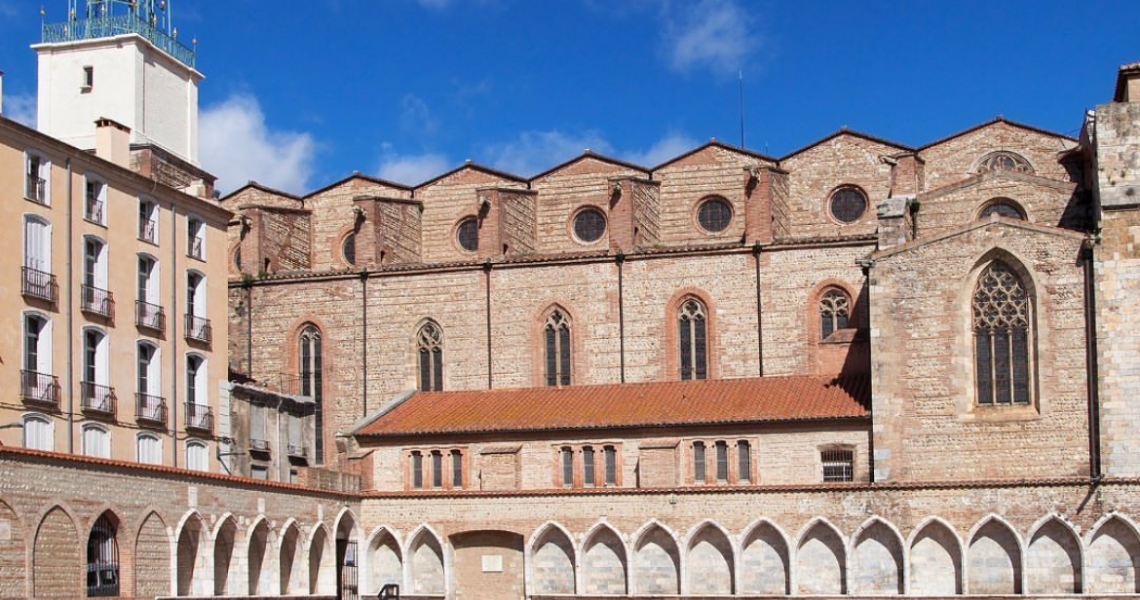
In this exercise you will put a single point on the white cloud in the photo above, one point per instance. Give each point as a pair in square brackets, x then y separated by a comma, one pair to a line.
[716, 34]
[237, 146]
[412, 169]
[21, 108]
[535, 151]
[415, 115]
[670, 146]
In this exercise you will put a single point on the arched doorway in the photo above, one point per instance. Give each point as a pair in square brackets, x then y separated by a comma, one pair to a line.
[488, 565]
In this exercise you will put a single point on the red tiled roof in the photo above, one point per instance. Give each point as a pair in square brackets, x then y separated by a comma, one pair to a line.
[625, 406]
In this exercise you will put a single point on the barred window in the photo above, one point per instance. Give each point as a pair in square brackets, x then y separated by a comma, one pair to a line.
[848, 204]
[436, 469]
[589, 225]
[1002, 328]
[744, 461]
[467, 234]
[417, 470]
[699, 462]
[567, 456]
[692, 340]
[610, 454]
[714, 215]
[722, 461]
[456, 469]
[838, 465]
[429, 341]
[1004, 160]
[103, 559]
[311, 372]
[834, 312]
[349, 248]
[588, 466]
[557, 336]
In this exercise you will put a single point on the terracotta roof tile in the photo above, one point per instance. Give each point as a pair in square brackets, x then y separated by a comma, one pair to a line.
[624, 406]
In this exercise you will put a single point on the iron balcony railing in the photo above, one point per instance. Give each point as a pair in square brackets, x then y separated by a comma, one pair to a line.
[148, 231]
[194, 248]
[93, 211]
[151, 316]
[259, 445]
[297, 451]
[39, 284]
[97, 301]
[199, 329]
[150, 409]
[199, 417]
[36, 189]
[111, 25]
[97, 399]
[39, 388]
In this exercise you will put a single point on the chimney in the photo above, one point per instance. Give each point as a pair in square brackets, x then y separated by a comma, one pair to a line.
[113, 142]
[1128, 83]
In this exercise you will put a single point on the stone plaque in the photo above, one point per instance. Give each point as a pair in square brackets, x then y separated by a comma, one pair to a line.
[5, 530]
[492, 563]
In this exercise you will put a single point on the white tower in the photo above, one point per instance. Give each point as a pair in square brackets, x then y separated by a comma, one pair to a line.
[119, 59]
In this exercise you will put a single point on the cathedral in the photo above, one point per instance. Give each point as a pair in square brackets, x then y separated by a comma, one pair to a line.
[861, 368]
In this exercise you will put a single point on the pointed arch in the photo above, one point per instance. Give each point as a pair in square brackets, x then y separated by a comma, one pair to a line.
[556, 335]
[877, 559]
[605, 562]
[1003, 325]
[656, 560]
[259, 565]
[13, 555]
[993, 563]
[347, 525]
[1053, 561]
[551, 560]
[225, 540]
[311, 359]
[429, 342]
[710, 561]
[103, 567]
[1113, 556]
[56, 559]
[425, 561]
[821, 559]
[935, 566]
[152, 557]
[384, 561]
[764, 564]
[322, 562]
[192, 557]
[290, 572]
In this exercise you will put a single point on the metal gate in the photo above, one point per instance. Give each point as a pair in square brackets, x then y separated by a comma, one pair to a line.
[346, 572]
[102, 559]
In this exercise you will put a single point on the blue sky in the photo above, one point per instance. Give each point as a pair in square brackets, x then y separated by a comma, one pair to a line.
[300, 94]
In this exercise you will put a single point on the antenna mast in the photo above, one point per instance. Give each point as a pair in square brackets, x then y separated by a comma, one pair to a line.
[741, 80]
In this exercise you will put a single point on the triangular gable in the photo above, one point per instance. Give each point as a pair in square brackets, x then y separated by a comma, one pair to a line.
[357, 176]
[253, 185]
[715, 144]
[470, 166]
[848, 132]
[591, 155]
[995, 121]
[998, 175]
[994, 221]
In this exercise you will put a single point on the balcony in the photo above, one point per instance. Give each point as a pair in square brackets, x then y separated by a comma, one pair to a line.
[36, 189]
[297, 451]
[199, 417]
[148, 231]
[150, 409]
[39, 284]
[97, 399]
[97, 301]
[195, 248]
[258, 445]
[199, 329]
[109, 24]
[39, 389]
[150, 316]
[93, 211]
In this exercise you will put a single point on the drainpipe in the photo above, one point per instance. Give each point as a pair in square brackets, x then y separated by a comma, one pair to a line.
[70, 322]
[249, 328]
[1092, 362]
[759, 313]
[364, 338]
[620, 259]
[174, 333]
[487, 272]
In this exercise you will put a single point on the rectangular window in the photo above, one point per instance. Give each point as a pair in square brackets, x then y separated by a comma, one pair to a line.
[838, 465]
[95, 204]
[88, 81]
[292, 475]
[436, 469]
[36, 179]
[148, 221]
[567, 467]
[456, 469]
[722, 461]
[699, 462]
[257, 432]
[610, 454]
[196, 239]
[744, 462]
[588, 466]
[417, 470]
[259, 472]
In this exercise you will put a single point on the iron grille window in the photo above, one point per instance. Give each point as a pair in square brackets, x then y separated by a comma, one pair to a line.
[567, 467]
[834, 313]
[610, 454]
[557, 334]
[721, 461]
[456, 469]
[588, 466]
[436, 469]
[417, 470]
[102, 559]
[1002, 328]
[848, 204]
[838, 465]
[744, 461]
[430, 342]
[467, 234]
[692, 340]
[589, 225]
[311, 384]
[699, 462]
[714, 215]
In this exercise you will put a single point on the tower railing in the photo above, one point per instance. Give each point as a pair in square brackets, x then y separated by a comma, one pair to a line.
[111, 25]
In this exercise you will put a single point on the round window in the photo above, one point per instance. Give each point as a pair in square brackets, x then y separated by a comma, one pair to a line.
[848, 205]
[714, 215]
[349, 248]
[589, 225]
[468, 235]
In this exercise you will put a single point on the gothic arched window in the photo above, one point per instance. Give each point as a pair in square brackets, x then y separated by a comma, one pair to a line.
[692, 321]
[834, 312]
[102, 559]
[1004, 160]
[311, 372]
[1002, 327]
[429, 342]
[556, 333]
